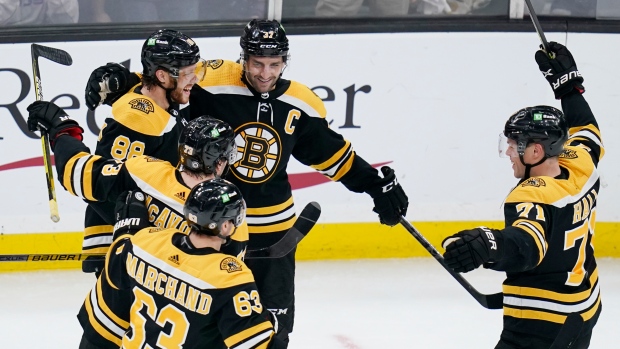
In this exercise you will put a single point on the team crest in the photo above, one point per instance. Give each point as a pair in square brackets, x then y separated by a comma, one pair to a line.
[568, 154]
[258, 152]
[215, 63]
[534, 182]
[142, 104]
[230, 265]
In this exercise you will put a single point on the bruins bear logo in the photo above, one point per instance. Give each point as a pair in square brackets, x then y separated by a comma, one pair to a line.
[143, 105]
[215, 63]
[534, 182]
[568, 154]
[230, 265]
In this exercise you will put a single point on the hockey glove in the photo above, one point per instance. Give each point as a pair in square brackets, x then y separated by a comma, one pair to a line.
[390, 199]
[108, 83]
[130, 213]
[561, 72]
[468, 249]
[49, 118]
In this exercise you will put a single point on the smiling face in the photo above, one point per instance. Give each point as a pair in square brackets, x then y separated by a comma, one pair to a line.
[263, 72]
[186, 80]
[533, 153]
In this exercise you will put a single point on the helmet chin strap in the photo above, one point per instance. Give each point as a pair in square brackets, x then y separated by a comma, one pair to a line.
[528, 167]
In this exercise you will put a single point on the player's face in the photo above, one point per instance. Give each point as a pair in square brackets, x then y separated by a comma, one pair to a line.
[518, 167]
[263, 72]
[186, 80]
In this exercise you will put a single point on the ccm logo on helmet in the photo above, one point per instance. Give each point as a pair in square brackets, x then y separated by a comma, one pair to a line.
[564, 78]
[268, 46]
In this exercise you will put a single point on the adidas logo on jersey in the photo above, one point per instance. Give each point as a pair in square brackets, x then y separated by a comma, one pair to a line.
[174, 259]
[180, 195]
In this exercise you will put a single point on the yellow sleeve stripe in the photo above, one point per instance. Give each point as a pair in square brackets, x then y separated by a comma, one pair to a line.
[550, 295]
[244, 338]
[106, 310]
[102, 331]
[537, 232]
[69, 167]
[337, 157]
[268, 210]
[534, 315]
[98, 229]
[579, 129]
[88, 178]
[344, 168]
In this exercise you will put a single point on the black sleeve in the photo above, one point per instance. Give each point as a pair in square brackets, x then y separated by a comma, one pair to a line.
[583, 127]
[329, 153]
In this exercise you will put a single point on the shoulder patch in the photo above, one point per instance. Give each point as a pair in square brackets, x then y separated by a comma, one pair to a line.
[534, 182]
[568, 154]
[230, 264]
[215, 63]
[142, 104]
[153, 159]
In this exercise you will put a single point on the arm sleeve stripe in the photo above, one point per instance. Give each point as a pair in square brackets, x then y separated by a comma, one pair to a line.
[106, 310]
[589, 131]
[87, 182]
[76, 176]
[69, 170]
[537, 232]
[107, 329]
[249, 337]
[335, 159]
[345, 167]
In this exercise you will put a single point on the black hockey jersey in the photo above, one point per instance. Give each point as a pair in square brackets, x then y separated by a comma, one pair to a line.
[179, 296]
[550, 226]
[270, 128]
[136, 127]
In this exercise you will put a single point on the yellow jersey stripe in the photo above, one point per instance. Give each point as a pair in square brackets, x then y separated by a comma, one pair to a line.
[551, 295]
[106, 310]
[101, 330]
[88, 178]
[286, 225]
[69, 168]
[345, 167]
[334, 159]
[269, 210]
[246, 334]
[537, 232]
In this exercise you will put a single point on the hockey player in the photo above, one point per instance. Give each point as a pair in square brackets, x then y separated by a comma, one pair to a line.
[184, 292]
[205, 148]
[546, 247]
[145, 121]
[274, 119]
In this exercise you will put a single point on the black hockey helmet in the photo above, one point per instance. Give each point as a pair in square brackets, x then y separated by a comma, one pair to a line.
[540, 124]
[212, 203]
[264, 38]
[204, 142]
[168, 49]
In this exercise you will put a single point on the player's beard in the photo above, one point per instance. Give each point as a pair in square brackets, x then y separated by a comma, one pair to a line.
[178, 96]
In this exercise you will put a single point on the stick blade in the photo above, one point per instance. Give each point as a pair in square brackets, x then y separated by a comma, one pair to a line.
[302, 226]
[53, 54]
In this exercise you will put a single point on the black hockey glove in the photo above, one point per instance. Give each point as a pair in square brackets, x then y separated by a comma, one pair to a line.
[48, 117]
[108, 83]
[130, 213]
[561, 72]
[469, 249]
[390, 199]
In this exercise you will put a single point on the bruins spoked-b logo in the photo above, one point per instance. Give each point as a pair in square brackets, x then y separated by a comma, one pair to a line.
[142, 104]
[258, 152]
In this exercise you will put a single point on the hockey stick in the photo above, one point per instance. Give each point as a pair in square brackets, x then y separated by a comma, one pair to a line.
[304, 223]
[60, 57]
[538, 28]
[492, 301]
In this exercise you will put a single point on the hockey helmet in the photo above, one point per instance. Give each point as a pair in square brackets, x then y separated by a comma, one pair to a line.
[168, 49]
[264, 38]
[540, 124]
[212, 203]
[204, 142]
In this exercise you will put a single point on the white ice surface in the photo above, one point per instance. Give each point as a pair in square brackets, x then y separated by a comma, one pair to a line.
[364, 304]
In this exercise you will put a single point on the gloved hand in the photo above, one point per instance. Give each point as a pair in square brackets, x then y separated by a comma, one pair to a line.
[48, 117]
[108, 83]
[561, 72]
[468, 249]
[93, 264]
[130, 213]
[390, 199]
